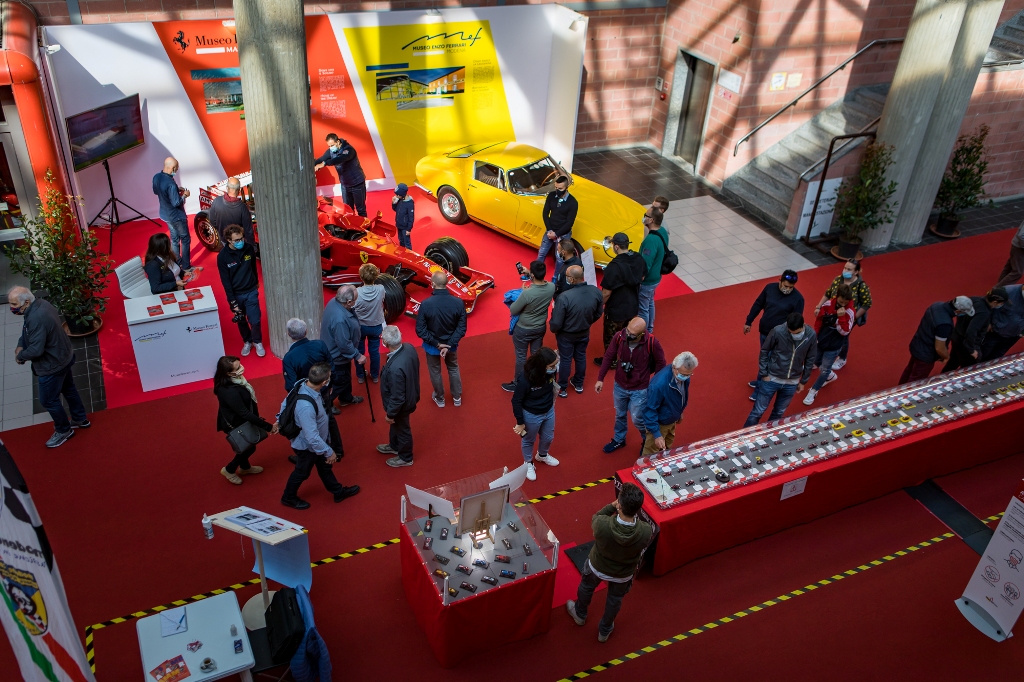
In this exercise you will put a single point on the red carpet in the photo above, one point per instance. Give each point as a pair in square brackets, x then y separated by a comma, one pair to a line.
[489, 252]
[145, 473]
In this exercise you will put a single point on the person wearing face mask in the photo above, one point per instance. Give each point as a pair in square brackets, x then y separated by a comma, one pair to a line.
[852, 277]
[786, 362]
[230, 209]
[620, 287]
[399, 393]
[933, 332]
[238, 405]
[533, 405]
[575, 311]
[776, 302]
[345, 160]
[636, 356]
[340, 330]
[567, 249]
[237, 265]
[45, 344]
[833, 324]
[652, 248]
[559, 214]
[172, 209]
[1007, 326]
[969, 332]
[405, 214]
[667, 397]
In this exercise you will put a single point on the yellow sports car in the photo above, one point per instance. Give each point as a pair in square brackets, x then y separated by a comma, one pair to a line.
[503, 185]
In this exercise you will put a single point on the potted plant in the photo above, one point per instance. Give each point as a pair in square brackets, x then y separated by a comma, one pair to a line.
[863, 202]
[57, 257]
[963, 185]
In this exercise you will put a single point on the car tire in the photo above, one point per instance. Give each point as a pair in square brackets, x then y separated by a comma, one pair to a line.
[206, 233]
[451, 205]
[394, 297]
[450, 255]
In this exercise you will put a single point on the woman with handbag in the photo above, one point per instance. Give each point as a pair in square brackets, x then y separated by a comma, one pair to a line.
[238, 417]
[851, 276]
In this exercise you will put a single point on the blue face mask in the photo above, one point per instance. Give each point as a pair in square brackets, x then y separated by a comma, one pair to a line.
[17, 311]
[239, 244]
[683, 378]
[552, 370]
[847, 275]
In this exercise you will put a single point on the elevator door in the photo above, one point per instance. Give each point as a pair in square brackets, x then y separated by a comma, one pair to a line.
[13, 199]
[695, 108]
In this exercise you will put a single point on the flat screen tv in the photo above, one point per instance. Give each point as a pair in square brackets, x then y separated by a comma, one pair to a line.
[105, 131]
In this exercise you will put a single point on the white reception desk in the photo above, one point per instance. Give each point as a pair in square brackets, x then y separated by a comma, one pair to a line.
[176, 345]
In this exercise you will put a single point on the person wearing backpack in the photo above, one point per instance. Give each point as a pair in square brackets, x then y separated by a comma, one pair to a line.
[652, 249]
[303, 420]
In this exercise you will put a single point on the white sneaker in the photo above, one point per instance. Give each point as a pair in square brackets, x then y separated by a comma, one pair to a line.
[831, 377]
[260, 350]
[438, 401]
[809, 400]
[531, 472]
[839, 363]
[246, 348]
[457, 401]
[547, 459]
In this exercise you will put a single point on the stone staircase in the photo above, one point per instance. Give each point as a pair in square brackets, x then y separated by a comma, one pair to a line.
[766, 185]
[1008, 42]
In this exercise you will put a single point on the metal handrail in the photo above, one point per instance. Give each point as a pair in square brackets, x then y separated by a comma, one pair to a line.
[881, 41]
[849, 141]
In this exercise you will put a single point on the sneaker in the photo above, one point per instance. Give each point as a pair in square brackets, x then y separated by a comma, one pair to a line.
[604, 638]
[386, 449]
[253, 470]
[614, 445]
[438, 401]
[246, 348]
[260, 350]
[81, 425]
[335, 409]
[361, 380]
[752, 384]
[375, 380]
[510, 387]
[531, 472]
[398, 462]
[547, 459]
[58, 439]
[563, 393]
[570, 606]
[578, 389]
[809, 400]
[839, 363]
[831, 377]
[457, 402]
[234, 478]
[295, 504]
[356, 399]
[752, 397]
[346, 492]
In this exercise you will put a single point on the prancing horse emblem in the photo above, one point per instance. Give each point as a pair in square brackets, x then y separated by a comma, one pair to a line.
[363, 256]
[180, 41]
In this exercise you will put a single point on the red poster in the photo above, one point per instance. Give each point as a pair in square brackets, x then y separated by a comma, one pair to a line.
[205, 57]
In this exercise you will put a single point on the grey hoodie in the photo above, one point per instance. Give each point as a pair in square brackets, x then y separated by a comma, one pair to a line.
[784, 358]
[370, 305]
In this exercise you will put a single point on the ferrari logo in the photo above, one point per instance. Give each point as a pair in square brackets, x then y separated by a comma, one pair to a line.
[363, 256]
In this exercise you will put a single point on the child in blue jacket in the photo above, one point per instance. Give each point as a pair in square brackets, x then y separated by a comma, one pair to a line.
[405, 214]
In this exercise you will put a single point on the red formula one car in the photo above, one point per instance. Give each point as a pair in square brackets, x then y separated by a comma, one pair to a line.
[348, 240]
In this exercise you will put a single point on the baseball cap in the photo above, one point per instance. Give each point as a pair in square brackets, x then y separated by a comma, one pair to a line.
[620, 239]
[402, 189]
[963, 304]
[997, 294]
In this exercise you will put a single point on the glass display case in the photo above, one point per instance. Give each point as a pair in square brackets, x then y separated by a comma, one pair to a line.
[708, 467]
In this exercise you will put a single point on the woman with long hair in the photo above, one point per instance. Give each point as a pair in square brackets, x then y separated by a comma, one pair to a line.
[533, 404]
[161, 265]
[369, 311]
[851, 276]
[237, 405]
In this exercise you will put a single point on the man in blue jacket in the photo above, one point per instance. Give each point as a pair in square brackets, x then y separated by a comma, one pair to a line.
[340, 330]
[345, 160]
[301, 355]
[172, 210]
[405, 214]
[667, 396]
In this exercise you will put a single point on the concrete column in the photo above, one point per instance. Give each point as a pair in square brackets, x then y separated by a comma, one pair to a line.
[275, 87]
[920, 72]
[979, 23]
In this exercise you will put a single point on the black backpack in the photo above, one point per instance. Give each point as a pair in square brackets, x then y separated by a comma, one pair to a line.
[670, 261]
[285, 627]
[287, 426]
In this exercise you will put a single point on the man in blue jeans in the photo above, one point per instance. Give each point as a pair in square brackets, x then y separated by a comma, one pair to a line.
[172, 210]
[636, 357]
[835, 320]
[786, 362]
[46, 345]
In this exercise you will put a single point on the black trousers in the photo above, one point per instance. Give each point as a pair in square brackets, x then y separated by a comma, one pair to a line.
[241, 460]
[959, 357]
[400, 436]
[355, 197]
[341, 381]
[306, 460]
[996, 346]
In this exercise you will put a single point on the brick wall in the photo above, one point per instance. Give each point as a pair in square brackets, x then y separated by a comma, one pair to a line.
[999, 101]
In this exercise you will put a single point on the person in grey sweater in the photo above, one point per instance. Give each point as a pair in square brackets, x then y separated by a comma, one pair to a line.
[45, 344]
[369, 311]
[310, 446]
[339, 329]
[532, 309]
[784, 368]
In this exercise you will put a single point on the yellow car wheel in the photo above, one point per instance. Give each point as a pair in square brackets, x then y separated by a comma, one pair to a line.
[453, 208]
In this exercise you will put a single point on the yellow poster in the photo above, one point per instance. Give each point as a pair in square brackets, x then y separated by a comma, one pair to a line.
[431, 87]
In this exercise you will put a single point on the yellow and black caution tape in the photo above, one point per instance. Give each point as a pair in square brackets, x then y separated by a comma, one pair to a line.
[725, 620]
[567, 491]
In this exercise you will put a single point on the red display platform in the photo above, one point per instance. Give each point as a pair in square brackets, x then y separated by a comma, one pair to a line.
[513, 611]
[703, 527]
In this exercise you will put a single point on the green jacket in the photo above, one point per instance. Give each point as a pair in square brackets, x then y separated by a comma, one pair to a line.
[652, 249]
[617, 547]
[532, 305]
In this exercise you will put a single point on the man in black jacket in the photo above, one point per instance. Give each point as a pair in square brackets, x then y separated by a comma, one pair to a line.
[777, 301]
[399, 391]
[620, 288]
[237, 265]
[931, 339]
[567, 250]
[579, 306]
[969, 332]
[559, 214]
[345, 160]
[441, 324]
[45, 344]
[230, 209]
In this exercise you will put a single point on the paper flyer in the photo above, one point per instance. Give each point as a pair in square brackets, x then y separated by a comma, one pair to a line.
[184, 306]
[155, 310]
[171, 670]
[167, 299]
[193, 294]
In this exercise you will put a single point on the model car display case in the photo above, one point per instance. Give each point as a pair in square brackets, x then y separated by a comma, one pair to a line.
[727, 462]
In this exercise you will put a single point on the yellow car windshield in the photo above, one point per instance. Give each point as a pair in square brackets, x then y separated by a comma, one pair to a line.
[535, 178]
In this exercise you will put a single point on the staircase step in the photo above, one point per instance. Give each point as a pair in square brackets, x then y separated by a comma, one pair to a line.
[1015, 50]
[764, 206]
[787, 173]
[771, 183]
[869, 112]
[1012, 33]
[876, 93]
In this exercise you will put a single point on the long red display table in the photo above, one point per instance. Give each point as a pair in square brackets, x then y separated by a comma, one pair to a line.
[942, 439]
